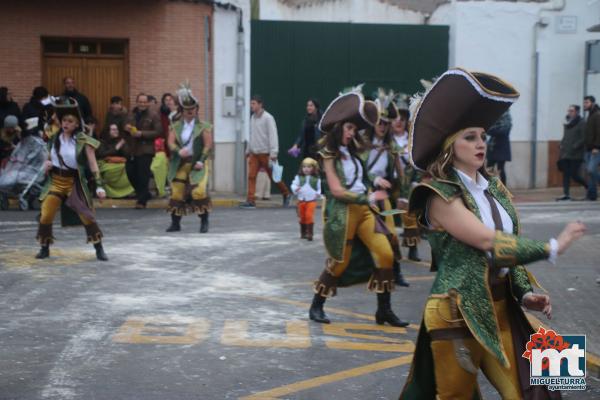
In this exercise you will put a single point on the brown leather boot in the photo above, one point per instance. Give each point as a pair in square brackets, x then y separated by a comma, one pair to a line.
[309, 232]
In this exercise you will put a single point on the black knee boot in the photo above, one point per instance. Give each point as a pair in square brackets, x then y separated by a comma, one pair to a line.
[204, 222]
[302, 231]
[316, 312]
[44, 252]
[100, 254]
[384, 312]
[175, 223]
[413, 253]
[398, 277]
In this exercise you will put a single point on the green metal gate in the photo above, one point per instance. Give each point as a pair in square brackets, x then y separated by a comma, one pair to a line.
[293, 61]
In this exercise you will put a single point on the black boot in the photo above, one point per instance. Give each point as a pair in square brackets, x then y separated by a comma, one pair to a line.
[398, 277]
[302, 231]
[384, 312]
[204, 222]
[413, 253]
[309, 232]
[316, 312]
[175, 223]
[100, 254]
[44, 252]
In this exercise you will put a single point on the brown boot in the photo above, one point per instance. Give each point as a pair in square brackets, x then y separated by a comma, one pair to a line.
[309, 232]
[302, 231]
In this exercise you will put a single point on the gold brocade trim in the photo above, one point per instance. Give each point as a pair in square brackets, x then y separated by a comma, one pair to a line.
[201, 206]
[177, 208]
[505, 247]
[326, 285]
[382, 281]
[44, 235]
[94, 234]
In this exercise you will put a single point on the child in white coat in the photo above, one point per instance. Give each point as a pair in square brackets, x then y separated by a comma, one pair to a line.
[307, 187]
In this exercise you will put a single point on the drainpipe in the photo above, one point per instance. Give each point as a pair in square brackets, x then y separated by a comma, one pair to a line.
[557, 5]
[240, 106]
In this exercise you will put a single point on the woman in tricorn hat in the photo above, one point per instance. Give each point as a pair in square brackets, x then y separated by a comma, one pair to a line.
[190, 142]
[472, 319]
[348, 211]
[70, 151]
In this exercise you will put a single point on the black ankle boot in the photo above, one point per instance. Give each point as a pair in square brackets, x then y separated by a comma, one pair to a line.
[384, 312]
[302, 231]
[204, 222]
[413, 253]
[398, 277]
[100, 254]
[316, 312]
[175, 223]
[44, 252]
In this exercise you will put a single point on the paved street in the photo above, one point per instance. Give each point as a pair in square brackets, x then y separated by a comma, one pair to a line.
[224, 315]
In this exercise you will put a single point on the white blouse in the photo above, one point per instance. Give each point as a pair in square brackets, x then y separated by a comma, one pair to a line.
[68, 150]
[186, 135]
[380, 166]
[352, 168]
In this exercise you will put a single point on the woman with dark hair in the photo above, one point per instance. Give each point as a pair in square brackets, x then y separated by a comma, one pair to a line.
[7, 106]
[384, 169]
[349, 210]
[411, 233]
[306, 145]
[70, 151]
[40, 108]
[473, 317]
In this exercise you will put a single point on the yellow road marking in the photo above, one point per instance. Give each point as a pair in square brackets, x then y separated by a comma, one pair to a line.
[25, 258]
[331, 310]
[235, 333]
[382, 343]
[163, 329]
[323, 380]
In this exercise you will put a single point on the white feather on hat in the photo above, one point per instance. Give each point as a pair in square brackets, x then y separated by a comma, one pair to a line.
[185, 96]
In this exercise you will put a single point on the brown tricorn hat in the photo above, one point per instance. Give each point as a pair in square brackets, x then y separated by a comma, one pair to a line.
[349, 107]
[457, 100]
[65, 105]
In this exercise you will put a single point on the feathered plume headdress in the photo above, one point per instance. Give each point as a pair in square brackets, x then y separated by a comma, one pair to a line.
[185, 96]
[385, 104]
[415, 99]
[352, 89]
[402, 101]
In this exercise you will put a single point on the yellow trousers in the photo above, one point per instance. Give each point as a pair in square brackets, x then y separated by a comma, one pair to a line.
[181, 187]
[60, 189]
[361, 223]
[454, 382]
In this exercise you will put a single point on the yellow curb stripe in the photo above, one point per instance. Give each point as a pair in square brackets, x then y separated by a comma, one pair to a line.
[323, 380]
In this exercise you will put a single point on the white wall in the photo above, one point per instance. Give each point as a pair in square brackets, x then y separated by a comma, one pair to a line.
[357, 11]
[225, 53]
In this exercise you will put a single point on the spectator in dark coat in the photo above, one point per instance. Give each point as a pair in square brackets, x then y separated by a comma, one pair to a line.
[7, 106]
[571, 150]
[143, 126]
[498, 152]
[592, 145]
[84, 104]
[309, 135]
[40, 107]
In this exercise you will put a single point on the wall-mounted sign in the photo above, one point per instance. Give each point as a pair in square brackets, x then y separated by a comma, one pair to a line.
[566, 24]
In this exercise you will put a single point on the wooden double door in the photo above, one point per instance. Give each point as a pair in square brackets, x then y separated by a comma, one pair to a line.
[99, 78]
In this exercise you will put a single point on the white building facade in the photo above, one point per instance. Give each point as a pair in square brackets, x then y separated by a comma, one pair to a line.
[539, 46]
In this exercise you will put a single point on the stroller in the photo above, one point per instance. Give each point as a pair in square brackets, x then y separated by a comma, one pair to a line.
[23, 175]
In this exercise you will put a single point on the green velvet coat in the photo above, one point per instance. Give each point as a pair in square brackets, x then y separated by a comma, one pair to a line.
[199, 153]
[464, 269]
